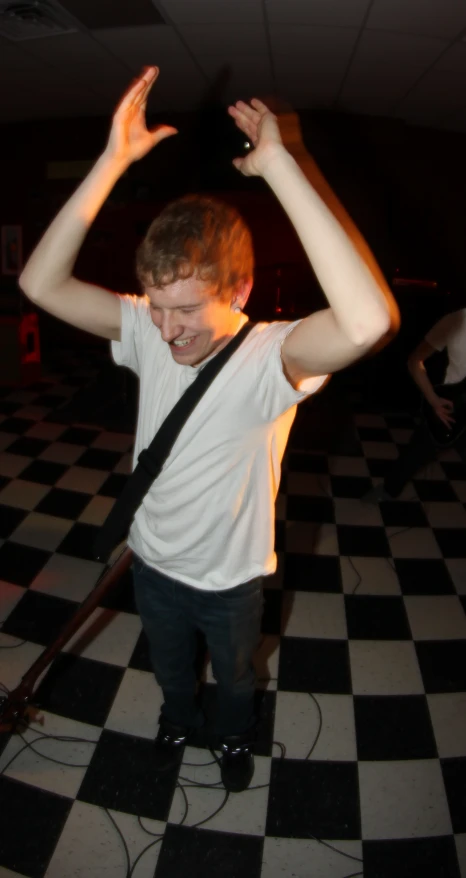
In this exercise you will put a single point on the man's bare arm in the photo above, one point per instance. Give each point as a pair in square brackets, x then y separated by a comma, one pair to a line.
[362, 309]
[47, 278]
[443, 408]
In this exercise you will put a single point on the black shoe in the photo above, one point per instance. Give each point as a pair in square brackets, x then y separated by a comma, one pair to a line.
[169, 746]
[237, 763]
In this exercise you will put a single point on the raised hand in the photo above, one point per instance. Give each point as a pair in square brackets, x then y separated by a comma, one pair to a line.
[444, 409]
[130, 139]
[267, 132]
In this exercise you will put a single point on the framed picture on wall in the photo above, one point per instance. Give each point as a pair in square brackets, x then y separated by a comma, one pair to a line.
[12, 249]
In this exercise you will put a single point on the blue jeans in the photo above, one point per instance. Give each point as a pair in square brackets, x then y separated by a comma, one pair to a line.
[171, 614]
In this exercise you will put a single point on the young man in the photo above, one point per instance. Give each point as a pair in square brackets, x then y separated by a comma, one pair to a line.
[449, 333]
[203, 536]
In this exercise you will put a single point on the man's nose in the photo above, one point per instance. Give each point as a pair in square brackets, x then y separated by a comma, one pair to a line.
[169, 327]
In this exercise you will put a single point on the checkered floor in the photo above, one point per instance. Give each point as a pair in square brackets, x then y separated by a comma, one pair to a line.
[362, 670]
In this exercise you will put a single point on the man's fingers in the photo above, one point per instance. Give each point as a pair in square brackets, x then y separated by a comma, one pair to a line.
[259, 106]
[161, 132]
[248, 111]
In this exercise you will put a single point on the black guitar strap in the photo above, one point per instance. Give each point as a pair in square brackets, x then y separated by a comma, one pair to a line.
[152, 459]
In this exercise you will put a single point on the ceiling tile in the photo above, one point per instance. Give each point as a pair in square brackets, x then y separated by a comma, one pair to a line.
[249, 76]
[439, 94]
[454, 59]
[333, 45]
[437, 18]
[224, 38]
[331, 13]
[211, 11]
[113, 13]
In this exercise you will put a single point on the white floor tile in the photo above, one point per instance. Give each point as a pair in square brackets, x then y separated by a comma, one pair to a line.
[308, 484]
[63, 452]
[22, 494]
[446, 515]
[348, 466]
[7, 873]
[33, 412]
[438, 617]
[401, 436]
[113, 441]
[41, 531]
[21, 397]
[136, 708]
[7, 439]
[89, 845]
[311, 538]
[286, 857]
[415, 542]
[448, 714]
[107, 636]
[97, 510]
[432, 472]
[10, 595]
[11, 465]
[459, 486]
[403, 799]
[361, 419]
[449, 454]
[375, 576]
[80, 478]
[15, 662]
[243, 813]
[125, 465]
[353, 511]
[314, 614]
[31, 765]
[46, 430]
[457, 570]
[297, 722]
[380, 450]
[385, 668]
[66, 577]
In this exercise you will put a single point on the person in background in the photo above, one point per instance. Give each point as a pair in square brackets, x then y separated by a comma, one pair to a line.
[203, 537]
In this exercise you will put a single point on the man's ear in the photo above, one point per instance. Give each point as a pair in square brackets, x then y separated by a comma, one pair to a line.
[241, 293]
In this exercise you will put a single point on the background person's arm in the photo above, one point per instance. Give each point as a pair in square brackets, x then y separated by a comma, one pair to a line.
[443, 408]
[47, 278]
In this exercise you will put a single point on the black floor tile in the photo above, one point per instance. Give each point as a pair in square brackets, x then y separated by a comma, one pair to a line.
[39, 617]
[7, 408]
[96, 458]
[121, 776]
[411, 857]
[395, 727]
[301, 508]
[21, 564]
[79, 541]
[379, 466]
[28, 446]
[403, 422]
[454, 778]
[399, 513]
[209, 854]
[113, 486]
[4, 481]
[16, 425]
[265, 709]
[442, 664]
[79, 435]
[10, 519]
[350, 486]
[43, 471]
[307, 665]
[452, 541]
[63, 503]
[434, 490]
[365, 541]
[51, 400]
[312, 573]
[307, 463]
[79, 688]
[140, 659]
[272, 613]
[374, 434]
[309, 799]
[454, 470]
[423, 576]
[371, 617]
[32, 822]
[121, 596]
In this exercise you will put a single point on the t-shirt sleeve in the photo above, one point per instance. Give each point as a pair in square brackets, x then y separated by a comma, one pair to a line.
[135, 324]
[440, 334]
[276, 394]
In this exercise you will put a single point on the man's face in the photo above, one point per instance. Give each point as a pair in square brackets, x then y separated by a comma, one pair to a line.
[192, 319]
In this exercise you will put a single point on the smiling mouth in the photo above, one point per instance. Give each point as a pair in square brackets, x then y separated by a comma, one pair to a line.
[183, 343]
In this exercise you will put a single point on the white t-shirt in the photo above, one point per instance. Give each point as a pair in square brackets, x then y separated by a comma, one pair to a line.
[450, 333]
[208, 519]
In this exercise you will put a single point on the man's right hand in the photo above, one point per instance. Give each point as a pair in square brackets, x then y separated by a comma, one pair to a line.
[444, 408]
[130, 138]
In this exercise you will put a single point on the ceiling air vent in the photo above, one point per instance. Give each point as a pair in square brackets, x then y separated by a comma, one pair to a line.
[31, 19]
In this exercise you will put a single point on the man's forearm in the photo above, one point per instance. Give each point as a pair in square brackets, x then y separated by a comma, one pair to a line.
[421, 378]
[51, 263]
[360, 299]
